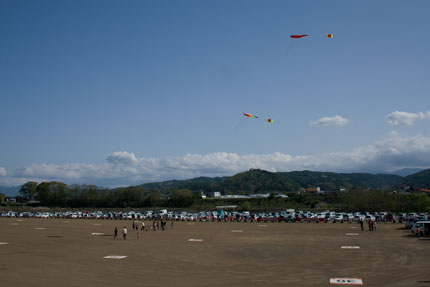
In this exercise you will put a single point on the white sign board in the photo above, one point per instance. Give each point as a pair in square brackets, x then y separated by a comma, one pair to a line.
[195, 240]
[346, 281]
[115, 257]
[352, 234]
[350, 247]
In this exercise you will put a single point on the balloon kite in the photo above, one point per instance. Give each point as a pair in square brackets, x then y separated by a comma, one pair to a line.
[329, 35]
[250, 116]
[269, 120]
[298, 36]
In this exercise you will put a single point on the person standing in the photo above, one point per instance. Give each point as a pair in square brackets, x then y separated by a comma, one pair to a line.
[115, 233]
[143, 226]
[374, 226]
[361, 224]
[124, 233]
[172, 224]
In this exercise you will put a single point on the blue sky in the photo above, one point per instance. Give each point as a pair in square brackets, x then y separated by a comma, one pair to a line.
[114, 92]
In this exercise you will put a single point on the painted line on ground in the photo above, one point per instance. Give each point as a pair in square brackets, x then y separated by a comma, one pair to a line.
[195, 240]
[115, 257]
[97, 233]
[3, 243]
[351, 234]
[39, 228]
[346, 281]
[350, 247]
[237, 231]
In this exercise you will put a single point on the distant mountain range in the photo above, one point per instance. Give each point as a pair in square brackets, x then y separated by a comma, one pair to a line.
[261, 181]
[406, 171]
[10, 191]
[256, 181]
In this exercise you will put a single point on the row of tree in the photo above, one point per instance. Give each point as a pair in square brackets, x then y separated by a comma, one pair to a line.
[58, 194]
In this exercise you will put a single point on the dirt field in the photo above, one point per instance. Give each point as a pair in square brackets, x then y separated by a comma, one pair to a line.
[65, 253]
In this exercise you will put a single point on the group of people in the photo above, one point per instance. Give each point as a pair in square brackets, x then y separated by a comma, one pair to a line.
[371, 223]
[156, 225]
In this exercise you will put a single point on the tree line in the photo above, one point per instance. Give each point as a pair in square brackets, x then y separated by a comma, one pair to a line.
[58, 194]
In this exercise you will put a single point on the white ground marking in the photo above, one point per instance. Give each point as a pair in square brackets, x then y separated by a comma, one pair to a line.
[351, 233]
[354, 227]
[350, 247]
[3, 243]
[39, 228]
[97, 233]
[237, 231]
[19, 220]
[115, 257]
[195, 240]
[346, 281]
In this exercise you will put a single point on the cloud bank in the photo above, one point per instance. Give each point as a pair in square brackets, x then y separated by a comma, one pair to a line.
[398, 118]
[124, 168]
[336, 121]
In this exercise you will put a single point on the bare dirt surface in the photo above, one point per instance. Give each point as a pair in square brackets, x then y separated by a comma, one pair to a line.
[61, 252]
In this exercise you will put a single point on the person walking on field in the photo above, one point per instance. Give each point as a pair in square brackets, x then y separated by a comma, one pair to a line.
[374, 226]
[143, 226]
[115, 233]
[124, 233]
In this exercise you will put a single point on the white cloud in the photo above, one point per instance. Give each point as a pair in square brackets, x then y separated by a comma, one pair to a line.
[124, 168]
[3, 171]
[336, 121]
[398, 118]
[122, 157]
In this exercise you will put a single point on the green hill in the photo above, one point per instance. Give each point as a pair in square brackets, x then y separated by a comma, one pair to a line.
[418, 180]
[261, 181]
[195, 184]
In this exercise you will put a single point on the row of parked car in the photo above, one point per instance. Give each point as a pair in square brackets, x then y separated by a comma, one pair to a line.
[288, 215]
[419, 224]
